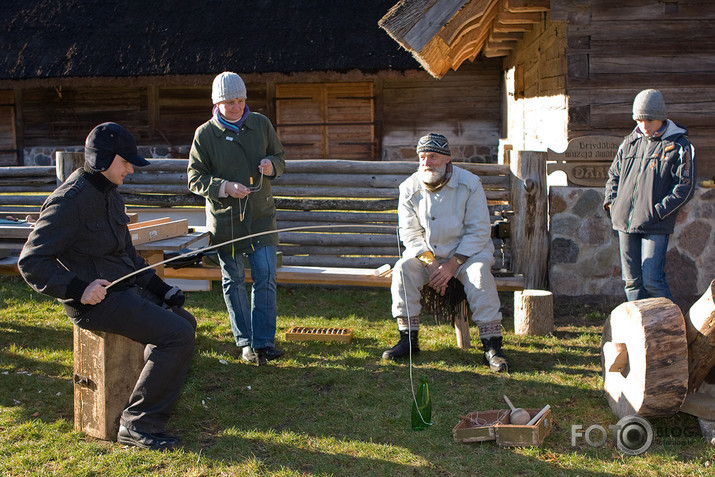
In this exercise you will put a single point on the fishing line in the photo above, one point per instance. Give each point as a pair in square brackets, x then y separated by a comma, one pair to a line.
[409, 335]
[288, 229]
[245, 237]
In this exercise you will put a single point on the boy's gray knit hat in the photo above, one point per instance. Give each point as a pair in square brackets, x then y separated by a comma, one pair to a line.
[649, 105]
[227, 86]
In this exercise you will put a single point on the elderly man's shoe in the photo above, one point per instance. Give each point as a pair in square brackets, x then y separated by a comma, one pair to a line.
[146, 440]
[493, 356]
[408, 339]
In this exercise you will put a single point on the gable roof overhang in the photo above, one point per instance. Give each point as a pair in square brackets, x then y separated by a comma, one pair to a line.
[442, 34]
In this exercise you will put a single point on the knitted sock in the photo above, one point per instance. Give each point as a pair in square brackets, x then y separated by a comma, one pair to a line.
[404, 324]
[488, 330]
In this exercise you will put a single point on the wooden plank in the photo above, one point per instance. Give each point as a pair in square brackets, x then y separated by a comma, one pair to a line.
[324, 276]
[148, 223]
[700, 405]
[15, 232]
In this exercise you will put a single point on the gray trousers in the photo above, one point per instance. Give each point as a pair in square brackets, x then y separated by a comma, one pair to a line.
[169, 338]
[410, 275]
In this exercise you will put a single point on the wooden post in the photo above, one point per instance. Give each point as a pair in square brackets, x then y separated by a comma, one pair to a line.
[106, 368]
[528, 230]
[461, 325]
[66, 163]
[700, 331]
[644, 358]
[533, 312]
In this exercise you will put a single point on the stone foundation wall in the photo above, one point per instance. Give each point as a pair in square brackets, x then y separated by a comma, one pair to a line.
[472, 154]
[45, 156]
[584, 258]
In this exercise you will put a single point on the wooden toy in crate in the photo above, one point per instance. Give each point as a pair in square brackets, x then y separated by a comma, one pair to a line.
[531, 434]
[307, 333]
[479, 426]
[495, 425]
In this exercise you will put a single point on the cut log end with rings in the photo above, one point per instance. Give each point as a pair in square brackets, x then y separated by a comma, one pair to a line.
[644, 357]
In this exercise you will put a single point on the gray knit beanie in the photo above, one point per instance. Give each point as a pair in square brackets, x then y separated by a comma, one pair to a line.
[227, 86]
[434, 142]
[649, 105]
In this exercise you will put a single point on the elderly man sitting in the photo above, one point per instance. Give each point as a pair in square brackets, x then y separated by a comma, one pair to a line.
[444, 225]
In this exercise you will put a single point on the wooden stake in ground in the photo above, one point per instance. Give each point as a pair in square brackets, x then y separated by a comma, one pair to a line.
[644, 358]
[700, 332]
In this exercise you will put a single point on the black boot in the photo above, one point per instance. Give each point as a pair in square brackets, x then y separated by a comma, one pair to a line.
[493, 356]
[402, 348]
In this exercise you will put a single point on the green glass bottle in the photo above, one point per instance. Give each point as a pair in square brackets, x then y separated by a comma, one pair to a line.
[422, 407]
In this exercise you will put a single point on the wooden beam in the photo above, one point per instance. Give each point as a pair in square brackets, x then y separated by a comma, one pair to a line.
[472, 37]
[470, 14]
[508, 18]
[527, 5]
[432, 22]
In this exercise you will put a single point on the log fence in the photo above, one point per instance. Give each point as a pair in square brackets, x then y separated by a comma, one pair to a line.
[339, 192]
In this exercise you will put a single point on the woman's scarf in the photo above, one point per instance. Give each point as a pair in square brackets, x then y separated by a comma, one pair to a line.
[235, 127]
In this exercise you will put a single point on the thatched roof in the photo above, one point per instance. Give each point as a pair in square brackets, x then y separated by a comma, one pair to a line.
[43, 39]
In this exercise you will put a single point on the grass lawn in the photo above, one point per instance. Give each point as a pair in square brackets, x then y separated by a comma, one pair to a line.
[329, 408]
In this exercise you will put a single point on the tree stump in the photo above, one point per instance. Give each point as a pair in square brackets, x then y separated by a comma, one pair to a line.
[700, 332]
[106, 368]
[533, 312]
[644, 358]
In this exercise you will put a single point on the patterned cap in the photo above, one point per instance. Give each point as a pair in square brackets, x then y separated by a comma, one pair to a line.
[434, 142]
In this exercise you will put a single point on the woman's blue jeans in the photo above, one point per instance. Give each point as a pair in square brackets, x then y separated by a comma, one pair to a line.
[253, 324]
[643, 265]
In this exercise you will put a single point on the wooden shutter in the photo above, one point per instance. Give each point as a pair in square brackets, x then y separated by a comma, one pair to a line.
[326, 120]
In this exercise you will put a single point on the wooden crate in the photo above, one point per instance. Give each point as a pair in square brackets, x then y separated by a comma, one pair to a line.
[158, 229]
[534, 435]
[479, 426]
[106, 368]
[307, 333]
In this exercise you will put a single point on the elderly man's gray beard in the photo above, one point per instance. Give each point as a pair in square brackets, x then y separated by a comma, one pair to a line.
[432, 176]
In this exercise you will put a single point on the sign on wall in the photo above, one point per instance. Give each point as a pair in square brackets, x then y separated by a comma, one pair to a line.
[586, 160]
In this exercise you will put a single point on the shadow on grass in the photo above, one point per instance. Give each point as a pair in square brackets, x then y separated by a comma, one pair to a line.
[335, 408]
[325, 392]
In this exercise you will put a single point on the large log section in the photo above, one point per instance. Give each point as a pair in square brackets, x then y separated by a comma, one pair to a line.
[700, 332]
[644, 358]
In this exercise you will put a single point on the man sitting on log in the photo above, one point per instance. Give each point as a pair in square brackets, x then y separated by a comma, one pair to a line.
[445, 227]
[79, 246]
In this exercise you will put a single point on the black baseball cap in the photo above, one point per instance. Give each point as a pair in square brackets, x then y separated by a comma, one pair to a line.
[106, 141]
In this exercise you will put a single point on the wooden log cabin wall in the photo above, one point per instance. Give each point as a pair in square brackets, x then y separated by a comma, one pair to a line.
[572, 67]
[577, 73]
[540, 73]
[330, 115]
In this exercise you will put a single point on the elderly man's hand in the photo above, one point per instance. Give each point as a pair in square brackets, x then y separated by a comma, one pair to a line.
[440, 274]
